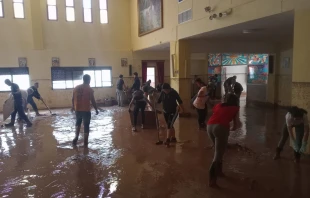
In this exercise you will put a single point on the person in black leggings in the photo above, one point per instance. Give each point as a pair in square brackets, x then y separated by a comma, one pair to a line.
[140, 101]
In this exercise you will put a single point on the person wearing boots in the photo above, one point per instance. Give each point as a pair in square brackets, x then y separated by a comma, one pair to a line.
[171, 103]
[18, 105]
[218, 132]
[200, 103]
[31, 94]
[83, 96]
[295, 118]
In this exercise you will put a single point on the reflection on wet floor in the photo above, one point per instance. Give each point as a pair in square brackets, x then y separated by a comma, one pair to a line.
[41, 162]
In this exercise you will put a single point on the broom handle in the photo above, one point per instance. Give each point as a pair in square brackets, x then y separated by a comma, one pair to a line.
[46, 105]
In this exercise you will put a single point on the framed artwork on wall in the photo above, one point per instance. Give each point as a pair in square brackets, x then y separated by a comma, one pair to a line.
[286, 62]
[91, 62]
[150, 16]
[55, 62]
[124, 62]
[22, 62]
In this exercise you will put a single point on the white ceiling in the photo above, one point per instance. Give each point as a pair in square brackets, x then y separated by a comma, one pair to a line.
[276, 28]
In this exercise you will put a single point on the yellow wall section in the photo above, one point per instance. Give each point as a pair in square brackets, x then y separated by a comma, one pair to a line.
[301, 68]
[243, 11]
[73, 42]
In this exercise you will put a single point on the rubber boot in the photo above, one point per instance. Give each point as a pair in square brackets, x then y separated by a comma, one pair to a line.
[220, 170]
[167, 142]
[213, 175]
[297, 157]
[86, 139]
[277, 155]
[74, 142]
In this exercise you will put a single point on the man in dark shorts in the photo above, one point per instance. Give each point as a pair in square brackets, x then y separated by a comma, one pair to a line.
[171, 101]
[18, 105]
[34, 93]
[120, 86]
[83, 95]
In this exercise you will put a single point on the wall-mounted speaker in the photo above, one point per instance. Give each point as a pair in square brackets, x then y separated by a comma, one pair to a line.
[130, 70]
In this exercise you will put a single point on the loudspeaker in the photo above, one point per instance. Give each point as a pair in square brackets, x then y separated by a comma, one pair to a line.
[271, 64]
[130, 70]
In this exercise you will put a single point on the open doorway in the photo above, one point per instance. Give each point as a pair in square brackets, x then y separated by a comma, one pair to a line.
[150, 75]
[240, 71]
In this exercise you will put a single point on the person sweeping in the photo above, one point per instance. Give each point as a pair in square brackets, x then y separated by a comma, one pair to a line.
[295, 118]
[172, 103]
[139, 100]
[218, 130]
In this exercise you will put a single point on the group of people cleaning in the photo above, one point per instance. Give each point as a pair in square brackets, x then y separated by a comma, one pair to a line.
[21, 99]
[218, 125]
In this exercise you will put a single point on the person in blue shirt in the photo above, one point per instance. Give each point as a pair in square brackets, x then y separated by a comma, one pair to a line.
[18, 104]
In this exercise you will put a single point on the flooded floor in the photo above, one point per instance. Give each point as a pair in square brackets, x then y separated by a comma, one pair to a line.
[41, 162]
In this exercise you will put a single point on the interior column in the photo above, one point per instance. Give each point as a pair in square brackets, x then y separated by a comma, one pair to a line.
[301, 69]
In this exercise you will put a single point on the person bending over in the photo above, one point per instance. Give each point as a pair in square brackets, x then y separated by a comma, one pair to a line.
[218, 130]
[295, 118]
[139, 100]
[18, 104]
[33, 92]
[83, 95]
[171, 101]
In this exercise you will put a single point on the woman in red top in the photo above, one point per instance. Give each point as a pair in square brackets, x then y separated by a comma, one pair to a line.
[218, 131]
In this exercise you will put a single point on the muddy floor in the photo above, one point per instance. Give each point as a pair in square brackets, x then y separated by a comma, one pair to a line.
[41, 162]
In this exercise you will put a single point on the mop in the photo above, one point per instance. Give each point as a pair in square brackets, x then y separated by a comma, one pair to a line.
[159, 142]
[53, 114]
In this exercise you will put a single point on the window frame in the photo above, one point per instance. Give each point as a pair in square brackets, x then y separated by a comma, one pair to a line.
[12, 70]
[73, 9]
[71, 69]
[2, 9]
[106, 10]
[47, 13]
[23, 3]
[153, 67]
[91, 12]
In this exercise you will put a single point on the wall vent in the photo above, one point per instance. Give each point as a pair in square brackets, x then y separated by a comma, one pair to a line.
[185, 16]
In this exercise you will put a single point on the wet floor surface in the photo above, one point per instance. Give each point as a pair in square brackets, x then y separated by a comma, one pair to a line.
[41, 162]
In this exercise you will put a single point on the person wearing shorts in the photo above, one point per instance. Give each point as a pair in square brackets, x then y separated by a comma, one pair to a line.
[83, 96]
[218, 131]
[171, 103]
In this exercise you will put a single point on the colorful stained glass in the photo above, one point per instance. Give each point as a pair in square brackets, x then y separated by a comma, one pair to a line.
[258, 74]
[258, 59]
[215, 70]
[215, 59]
[234, 59]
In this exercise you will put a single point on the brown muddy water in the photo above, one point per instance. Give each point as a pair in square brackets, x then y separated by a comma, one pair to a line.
[41, 162]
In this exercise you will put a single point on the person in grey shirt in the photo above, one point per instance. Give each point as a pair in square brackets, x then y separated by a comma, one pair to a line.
[120, 86]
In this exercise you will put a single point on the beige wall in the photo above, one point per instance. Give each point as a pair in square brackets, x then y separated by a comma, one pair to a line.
[73, 42]
[243, 11]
